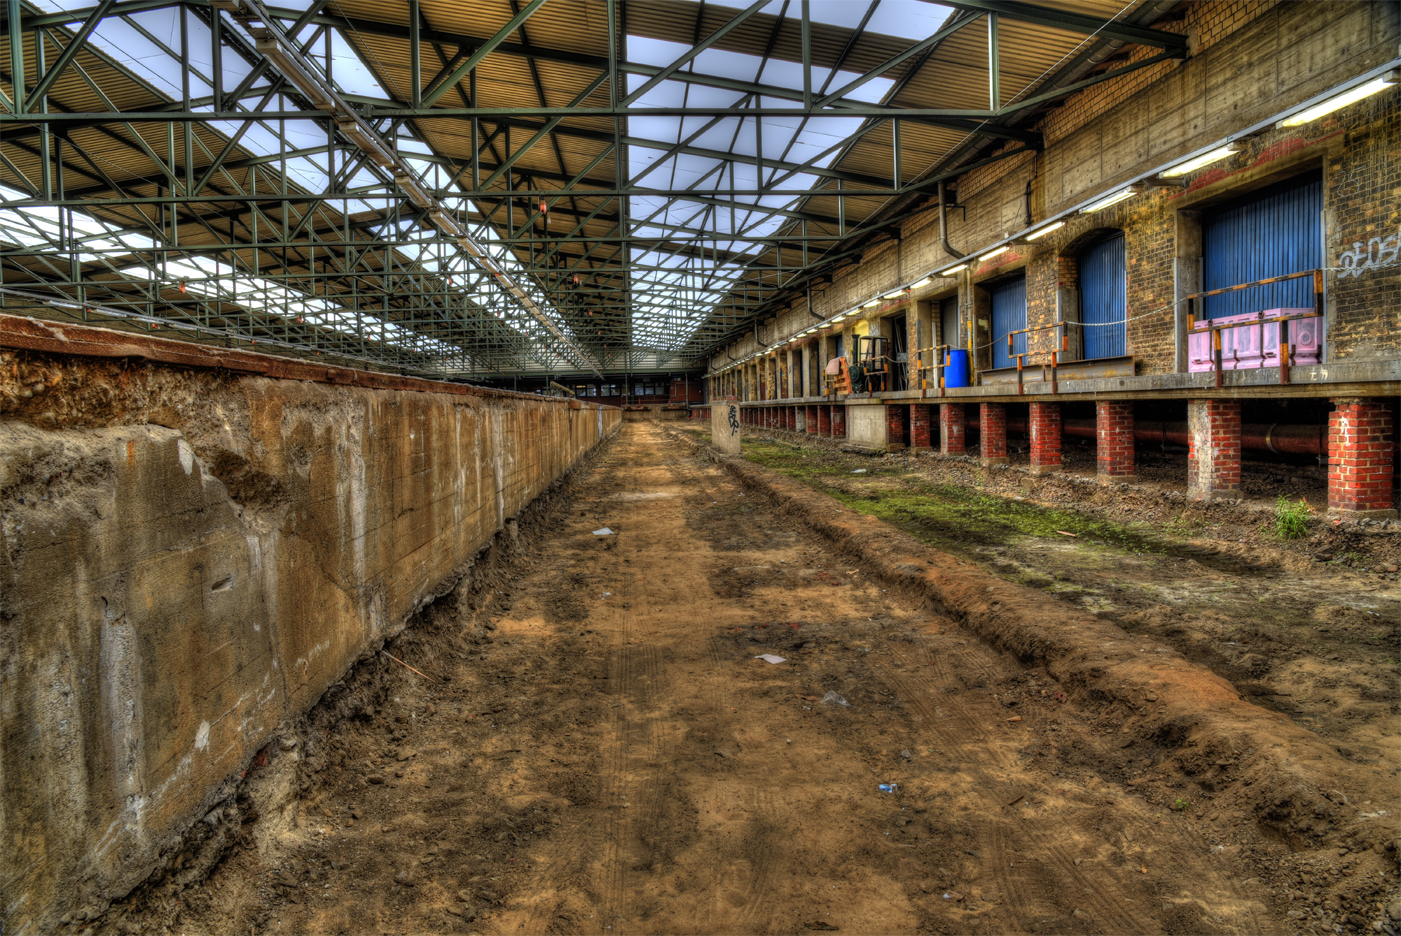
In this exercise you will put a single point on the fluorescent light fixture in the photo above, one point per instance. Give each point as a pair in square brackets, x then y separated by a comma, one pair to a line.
[950, 271]
[873, 302]
[1109, 200]
[1205, 159]
[923, 282]
[992, 253]
[1037, 235]
[1351, 96]
[898, 294]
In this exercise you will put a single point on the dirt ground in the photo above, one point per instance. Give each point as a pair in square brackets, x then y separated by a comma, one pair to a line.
[595, 747]
[1310, 628]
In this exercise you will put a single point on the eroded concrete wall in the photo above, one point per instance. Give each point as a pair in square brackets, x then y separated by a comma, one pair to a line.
[191, 558]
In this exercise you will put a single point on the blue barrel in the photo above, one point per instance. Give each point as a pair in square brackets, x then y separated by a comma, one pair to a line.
[956, 368]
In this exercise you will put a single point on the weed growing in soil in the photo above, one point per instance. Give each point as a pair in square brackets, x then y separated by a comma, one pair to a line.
[1181, 805]
[1291, 518]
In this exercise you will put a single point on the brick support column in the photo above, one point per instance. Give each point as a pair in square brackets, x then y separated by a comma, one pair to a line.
[1045, 437]
[812, 419]
[1360, 460]
[1213, 449]
[1114, 440]
[790, 416]
[992, 429]
[894, 427]
[952, 439]
[920, 429]
[839, 422]
[824, 420]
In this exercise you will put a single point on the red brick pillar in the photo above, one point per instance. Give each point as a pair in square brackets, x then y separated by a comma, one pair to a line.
[812, 420]
[785, 417]
[1114, 440]
[839, 422]
[992, 429]
[894, 427]
[920, 418]
[824, 420]
[1045, 437]
[1360, 460]
[952, 440]
[792, 413]
[1213, 449]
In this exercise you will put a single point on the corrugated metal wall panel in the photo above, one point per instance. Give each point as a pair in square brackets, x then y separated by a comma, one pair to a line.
[1008, 315]
[1270, 233]
[1102, 300]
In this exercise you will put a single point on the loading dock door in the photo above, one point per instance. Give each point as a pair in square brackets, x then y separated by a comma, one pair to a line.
[948, 321]
[1268, 233]
[1102, 299]
[1008, 315]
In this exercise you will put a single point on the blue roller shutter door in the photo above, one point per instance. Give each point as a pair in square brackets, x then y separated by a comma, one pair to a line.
[1102, 301]
[1269, 233]
[1008, 315]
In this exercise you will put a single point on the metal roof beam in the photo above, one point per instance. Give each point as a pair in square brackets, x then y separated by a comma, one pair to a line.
[1073, 22]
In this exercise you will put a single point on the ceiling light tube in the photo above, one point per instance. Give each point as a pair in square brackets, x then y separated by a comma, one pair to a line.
[1205, 159]
[1350, 96]
[921, 283]
[898, 294]
[873, 302]
[950, 271]
[1109, 200]
[1037, 235]
[994, 252]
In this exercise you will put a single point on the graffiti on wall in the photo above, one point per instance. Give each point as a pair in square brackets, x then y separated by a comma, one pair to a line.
[1378, 253]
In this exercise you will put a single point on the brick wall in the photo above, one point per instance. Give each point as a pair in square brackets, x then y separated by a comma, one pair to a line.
[1252, 58]
[1114, 440]
[894, 424]
[1045, 426]
[1213, 449]
[952, 438]
[992, 433]
[1360, 458]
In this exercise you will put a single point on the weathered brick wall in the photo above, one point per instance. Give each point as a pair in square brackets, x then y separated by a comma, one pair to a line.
[1251, 59]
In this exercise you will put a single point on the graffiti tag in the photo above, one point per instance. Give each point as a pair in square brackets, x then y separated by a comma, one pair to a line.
[1378, 253]
[734, 419]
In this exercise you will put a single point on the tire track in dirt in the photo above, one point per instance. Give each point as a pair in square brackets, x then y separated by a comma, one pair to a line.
[983, 760]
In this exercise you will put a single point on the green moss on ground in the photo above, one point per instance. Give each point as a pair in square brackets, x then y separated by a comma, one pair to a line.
[954, 518]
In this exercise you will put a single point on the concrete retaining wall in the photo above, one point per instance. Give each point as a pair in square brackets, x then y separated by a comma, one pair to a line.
[192, 558]
[866, 427]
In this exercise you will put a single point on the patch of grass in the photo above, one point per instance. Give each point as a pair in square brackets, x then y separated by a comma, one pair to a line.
[1181, 805]
[958, 519]
[1291, 518]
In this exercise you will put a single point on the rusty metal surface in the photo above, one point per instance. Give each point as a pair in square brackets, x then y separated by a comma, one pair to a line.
[88, 341]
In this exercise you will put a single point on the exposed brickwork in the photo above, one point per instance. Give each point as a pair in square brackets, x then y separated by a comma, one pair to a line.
[895, 425]
[1213, 449]
[1360, 466]
[921, 425]
[992, 428]
[824, 420]
[952, 438]
[1251, 59]
[814, 420]
[1114, 440]
[1044, 419]
[839, 422]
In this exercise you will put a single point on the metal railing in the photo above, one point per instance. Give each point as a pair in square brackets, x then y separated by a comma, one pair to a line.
[1286, 348]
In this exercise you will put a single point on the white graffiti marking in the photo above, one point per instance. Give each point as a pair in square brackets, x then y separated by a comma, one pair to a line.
[1378, 253]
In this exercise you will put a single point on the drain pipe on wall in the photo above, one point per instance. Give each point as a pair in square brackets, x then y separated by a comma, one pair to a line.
[944, 225]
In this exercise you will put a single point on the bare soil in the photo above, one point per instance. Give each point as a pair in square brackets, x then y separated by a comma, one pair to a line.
[591, 745]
